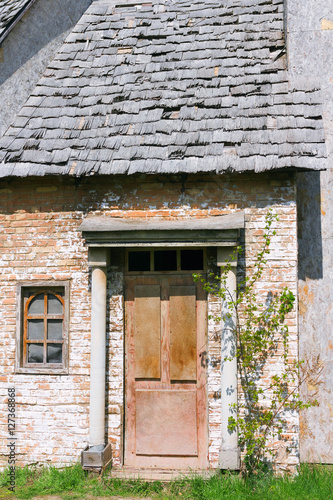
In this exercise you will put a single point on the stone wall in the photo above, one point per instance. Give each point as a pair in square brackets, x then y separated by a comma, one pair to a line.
[40, 240]
[310, 58]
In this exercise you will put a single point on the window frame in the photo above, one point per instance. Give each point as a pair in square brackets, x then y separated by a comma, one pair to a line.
[21, 365]
[152, 249]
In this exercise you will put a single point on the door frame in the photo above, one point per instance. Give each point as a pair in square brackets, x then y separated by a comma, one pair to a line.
[175, 462]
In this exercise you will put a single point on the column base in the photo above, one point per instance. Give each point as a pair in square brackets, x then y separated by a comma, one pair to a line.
[96, 457]
[229, 459]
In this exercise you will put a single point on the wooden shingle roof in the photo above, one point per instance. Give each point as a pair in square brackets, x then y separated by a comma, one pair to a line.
[170, 86]
[10, 12]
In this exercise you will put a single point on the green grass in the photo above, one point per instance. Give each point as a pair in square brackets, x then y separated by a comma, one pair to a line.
[312, 483]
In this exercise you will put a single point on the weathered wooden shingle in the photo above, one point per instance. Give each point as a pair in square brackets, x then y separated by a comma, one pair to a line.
[186, 86]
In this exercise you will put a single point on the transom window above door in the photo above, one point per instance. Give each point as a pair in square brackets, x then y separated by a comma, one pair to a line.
[166, 259]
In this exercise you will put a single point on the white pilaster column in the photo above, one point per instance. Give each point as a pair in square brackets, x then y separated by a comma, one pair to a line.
[229, 457]
[98, 261]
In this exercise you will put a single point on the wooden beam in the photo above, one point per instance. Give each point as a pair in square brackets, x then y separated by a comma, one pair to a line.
[100, 223]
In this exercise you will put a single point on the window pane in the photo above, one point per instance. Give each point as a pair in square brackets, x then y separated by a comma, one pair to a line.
[35, 329]
[35, 353]
[54, 329]
[54, 306]
[139, 261]
[54, 353]
[191, 260]
[165, 260]
[36, 306]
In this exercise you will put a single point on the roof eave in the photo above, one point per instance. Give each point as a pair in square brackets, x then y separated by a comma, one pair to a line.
[11, 174]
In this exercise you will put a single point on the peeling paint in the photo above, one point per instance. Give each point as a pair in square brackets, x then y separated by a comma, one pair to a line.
[326, 24]
[331, 410]
[312, 388]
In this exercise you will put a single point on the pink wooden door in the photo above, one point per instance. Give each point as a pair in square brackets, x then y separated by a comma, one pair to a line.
[165, 407]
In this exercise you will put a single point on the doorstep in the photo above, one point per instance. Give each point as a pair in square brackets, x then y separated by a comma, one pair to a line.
[154, 474]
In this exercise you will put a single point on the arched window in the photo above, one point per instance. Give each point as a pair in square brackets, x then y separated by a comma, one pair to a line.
[43, 328]
[43, 339]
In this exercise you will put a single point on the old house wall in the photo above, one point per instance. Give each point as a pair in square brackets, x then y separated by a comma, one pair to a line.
[310, 56]
[39, 240]
[29, 48]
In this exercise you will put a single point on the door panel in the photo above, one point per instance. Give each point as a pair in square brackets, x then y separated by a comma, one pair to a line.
[166, 402]
[183, 333]
[147, 338]
[166, 423]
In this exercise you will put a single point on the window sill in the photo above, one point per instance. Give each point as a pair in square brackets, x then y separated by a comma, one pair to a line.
[42, 371]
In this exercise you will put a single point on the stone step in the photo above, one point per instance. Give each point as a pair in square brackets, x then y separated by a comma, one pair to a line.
[154, 474]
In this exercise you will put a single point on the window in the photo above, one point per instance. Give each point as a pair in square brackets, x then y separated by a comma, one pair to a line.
[165, 260]
[42, 330]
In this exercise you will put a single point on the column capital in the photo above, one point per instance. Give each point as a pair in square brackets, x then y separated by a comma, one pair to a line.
[224, 255]
[98, 257]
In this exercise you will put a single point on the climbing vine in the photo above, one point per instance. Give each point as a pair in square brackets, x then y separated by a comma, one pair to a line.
[262, 345]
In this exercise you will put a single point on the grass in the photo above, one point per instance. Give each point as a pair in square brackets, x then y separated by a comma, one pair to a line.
[312, 483]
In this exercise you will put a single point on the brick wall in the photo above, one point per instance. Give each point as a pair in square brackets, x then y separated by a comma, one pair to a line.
[39, 240]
